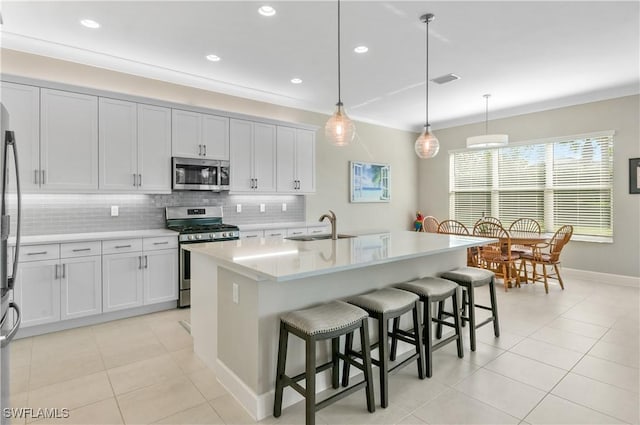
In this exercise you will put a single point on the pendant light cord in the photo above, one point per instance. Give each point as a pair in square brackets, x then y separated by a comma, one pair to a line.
[339, 93]
[486, 115]
[426, 83]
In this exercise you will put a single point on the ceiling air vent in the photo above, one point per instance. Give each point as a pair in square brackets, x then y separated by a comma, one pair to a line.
[447, 78]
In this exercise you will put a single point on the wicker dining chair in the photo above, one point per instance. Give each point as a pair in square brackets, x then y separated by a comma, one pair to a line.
[453, 227]
[524, 225]
[497, 256]
[548, 254]
[430, 224]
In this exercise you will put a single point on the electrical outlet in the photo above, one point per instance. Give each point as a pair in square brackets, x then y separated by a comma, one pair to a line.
[235, 293]
[238, 208]
[284, 206]
[114, 211]
[262, 208]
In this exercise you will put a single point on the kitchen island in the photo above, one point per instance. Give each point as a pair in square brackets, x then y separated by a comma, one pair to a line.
[240, 288]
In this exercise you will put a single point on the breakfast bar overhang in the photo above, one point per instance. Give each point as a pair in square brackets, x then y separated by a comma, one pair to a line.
[240, 288]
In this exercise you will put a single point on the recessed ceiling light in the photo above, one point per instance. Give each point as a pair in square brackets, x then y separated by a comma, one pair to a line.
[267, 11]
[361, 49]
[90, 23]
[296, 81]
[213, 58]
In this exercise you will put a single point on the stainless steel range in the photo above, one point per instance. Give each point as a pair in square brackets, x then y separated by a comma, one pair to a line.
[196, 225]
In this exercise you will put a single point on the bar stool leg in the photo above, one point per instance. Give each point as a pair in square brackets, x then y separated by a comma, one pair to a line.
[427, 337]
[383, 350]
[494, 308]
[348, 347]
[335, 360]
[394, 340]
[310, 382]
[366, 360]
[465, 303]
[440, 314]
[417, 329]
[456, 319]
[472, 317]
[282, 360]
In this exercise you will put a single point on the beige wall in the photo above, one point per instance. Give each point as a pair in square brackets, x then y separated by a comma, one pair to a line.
[373, 143]
[621, 114]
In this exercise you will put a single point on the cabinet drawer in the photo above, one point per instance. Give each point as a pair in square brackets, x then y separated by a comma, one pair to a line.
[275, 233]
[298, 231]
[253, 234]
[39, 252]
[162, 242]
[121, 245]
[80, 249]
[319, 230]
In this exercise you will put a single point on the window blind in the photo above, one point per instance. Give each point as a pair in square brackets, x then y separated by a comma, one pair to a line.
[556, 183]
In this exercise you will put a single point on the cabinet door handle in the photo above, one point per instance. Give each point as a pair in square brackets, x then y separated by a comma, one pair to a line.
[256, 183]
[55, 274]
[134, 179]
[146, 262]
[35, 176]
[161, 243]
[139, 261]
[37, 253]
[251, 236]
[42, 181]
[140, 180]
[200, 150]
[64, 271]
[81, 249]
[296, 233]
[123, 246]
[275, 234]
[205, 150]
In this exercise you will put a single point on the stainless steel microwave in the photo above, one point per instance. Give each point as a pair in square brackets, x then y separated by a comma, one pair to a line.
[200, 174]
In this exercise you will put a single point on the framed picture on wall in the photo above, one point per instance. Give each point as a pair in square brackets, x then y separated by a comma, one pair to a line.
[634, 175]
[370, 182]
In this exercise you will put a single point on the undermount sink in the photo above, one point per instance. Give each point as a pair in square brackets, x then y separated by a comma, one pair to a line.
[308, 238]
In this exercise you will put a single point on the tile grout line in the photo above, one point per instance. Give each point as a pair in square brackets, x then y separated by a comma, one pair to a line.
[115, 397]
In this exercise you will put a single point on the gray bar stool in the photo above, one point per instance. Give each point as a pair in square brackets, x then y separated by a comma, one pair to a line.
[470, 278]
[383, 305]
[430, 290]
[327, 321]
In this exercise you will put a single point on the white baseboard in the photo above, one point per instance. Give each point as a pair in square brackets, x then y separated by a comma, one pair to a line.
[606, 278]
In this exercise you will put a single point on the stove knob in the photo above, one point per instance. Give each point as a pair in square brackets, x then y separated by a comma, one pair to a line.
[212, 235]
[198, 236]
[190, 237]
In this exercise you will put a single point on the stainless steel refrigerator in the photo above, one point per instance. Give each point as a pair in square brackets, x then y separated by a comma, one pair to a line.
[9, 311]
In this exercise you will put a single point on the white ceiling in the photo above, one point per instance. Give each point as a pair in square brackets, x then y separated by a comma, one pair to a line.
[529, 55]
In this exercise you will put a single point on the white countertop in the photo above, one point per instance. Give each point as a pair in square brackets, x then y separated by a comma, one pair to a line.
[91, 236]
[283, 259]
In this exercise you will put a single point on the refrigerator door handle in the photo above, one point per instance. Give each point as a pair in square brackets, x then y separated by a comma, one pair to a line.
[11, 141]
[6, 339]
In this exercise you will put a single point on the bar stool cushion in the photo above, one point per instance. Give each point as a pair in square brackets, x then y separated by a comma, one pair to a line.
[325, 318]
[432, 287]
[385, 300]
[469, 276]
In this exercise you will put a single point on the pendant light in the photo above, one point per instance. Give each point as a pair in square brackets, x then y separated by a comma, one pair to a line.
[487, 140]
[427, 145]
[339, 130]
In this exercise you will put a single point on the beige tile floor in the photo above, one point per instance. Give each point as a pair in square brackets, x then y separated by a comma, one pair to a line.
[569, 357]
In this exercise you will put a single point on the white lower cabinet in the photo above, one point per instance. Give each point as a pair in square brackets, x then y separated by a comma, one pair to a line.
[80, 287]
[122, 284]
[160, 276]
[37, 292]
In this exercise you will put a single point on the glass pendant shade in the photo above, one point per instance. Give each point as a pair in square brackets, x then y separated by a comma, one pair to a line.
[339, 130]
[427, 145]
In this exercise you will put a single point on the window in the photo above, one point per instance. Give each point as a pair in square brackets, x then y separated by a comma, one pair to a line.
[555, 182]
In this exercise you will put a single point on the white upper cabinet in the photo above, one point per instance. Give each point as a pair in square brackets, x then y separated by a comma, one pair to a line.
[253, 156]
[68, 141]
[295, 160]
[23, 104]
[135, 147]
[118, 145]
[196, 135]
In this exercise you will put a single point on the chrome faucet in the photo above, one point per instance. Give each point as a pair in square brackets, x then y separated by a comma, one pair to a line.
[332, 220]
